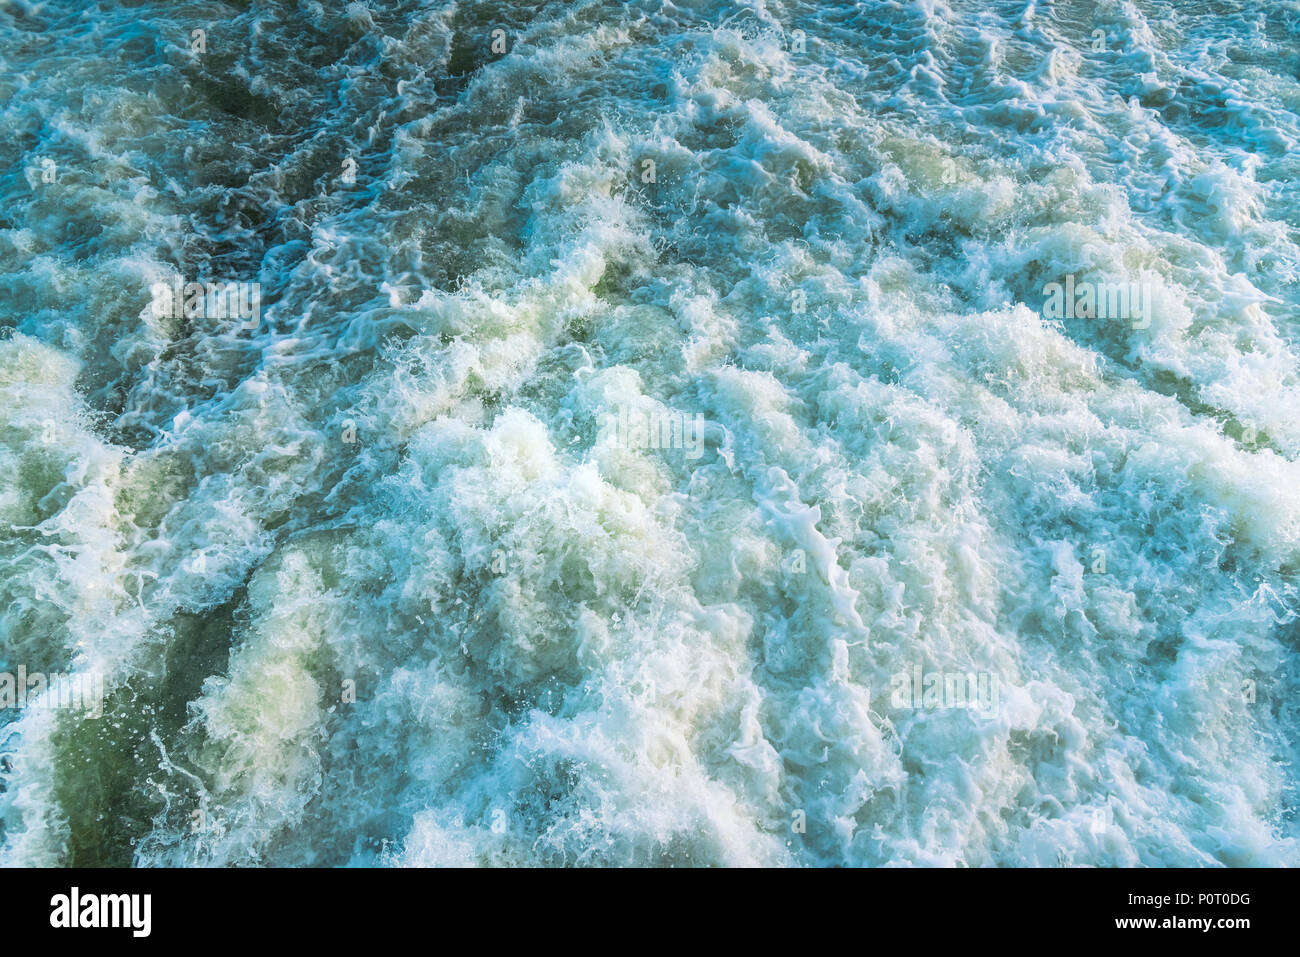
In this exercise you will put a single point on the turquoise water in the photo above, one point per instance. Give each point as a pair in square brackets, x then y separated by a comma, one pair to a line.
[651, 433]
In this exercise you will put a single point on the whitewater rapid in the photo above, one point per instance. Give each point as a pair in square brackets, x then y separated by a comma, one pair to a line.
[390, 574]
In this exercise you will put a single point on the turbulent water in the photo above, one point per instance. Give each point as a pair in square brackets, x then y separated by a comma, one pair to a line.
[390, 572]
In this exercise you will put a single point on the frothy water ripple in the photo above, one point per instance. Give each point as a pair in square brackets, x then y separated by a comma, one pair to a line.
[655, 442]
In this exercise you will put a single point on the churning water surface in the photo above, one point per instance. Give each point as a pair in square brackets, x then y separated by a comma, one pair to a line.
[699, 433]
